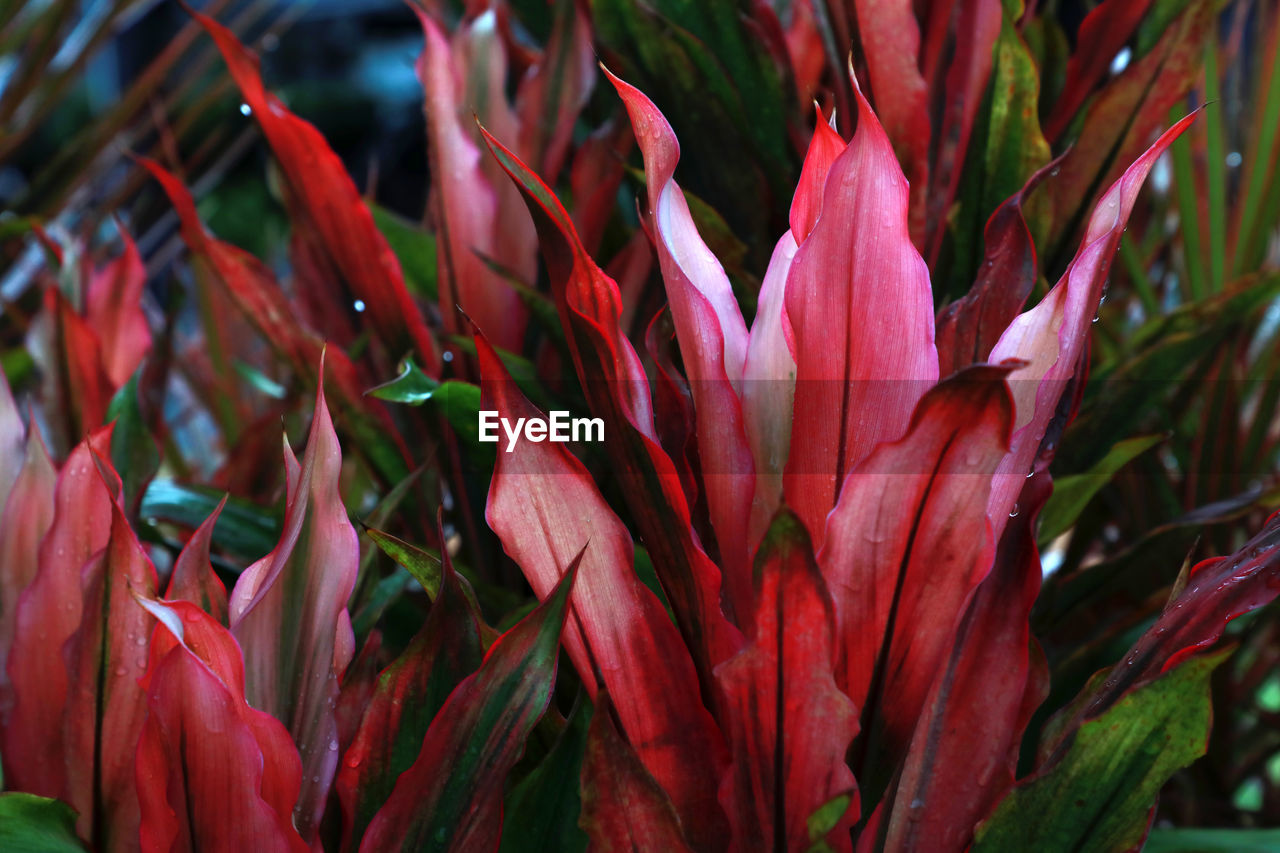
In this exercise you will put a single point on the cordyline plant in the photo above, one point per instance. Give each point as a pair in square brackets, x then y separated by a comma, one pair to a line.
[795, 584]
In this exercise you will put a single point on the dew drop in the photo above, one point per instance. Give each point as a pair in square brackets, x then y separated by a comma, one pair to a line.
[359, 306]
[246, 110]
[1013, 513]
[333, 746]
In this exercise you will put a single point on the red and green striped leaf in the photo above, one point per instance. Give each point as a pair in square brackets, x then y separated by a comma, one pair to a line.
[408, 695]
[106, 658]
[450, 799]
[288, 611]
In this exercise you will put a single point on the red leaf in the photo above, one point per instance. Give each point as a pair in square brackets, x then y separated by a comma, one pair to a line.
[623, 808]
[193, 577]
[48, 614]
[27, 515]
[825, 148]
[788, 724]
[964, 751]
[408, 696]
[65, 347]
[451, 798]
[322, 191]
[255, 291]
[466, 208]
[1104, 31]
[906, 545]
[288, 612]
[545, 508]
[114, 311]
[106, 657]
[861, 310]
[977, 26]
[890, 38]
[556, 89]
[211, 772]
[968, 328]
[713, 344]
[1053, 335]
[618, 392]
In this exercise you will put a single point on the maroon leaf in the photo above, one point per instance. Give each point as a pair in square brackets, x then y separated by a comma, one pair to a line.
[545, 508]
[623, 808]
[788, 724]
[906, 545]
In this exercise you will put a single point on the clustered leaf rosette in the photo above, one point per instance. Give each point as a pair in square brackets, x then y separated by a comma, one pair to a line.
[854, 613]
[838, 500]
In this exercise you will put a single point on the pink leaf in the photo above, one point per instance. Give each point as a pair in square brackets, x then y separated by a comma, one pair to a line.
[193, 577]
[114, 311]
[48, 614]
[1053, 336]
[288, 611]
[211, 772]
[713, 344]
[861, 310]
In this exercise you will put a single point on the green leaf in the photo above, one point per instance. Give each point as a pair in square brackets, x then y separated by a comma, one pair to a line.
[243, 528]
[1213, 841]
[541, 812]
[423, 565]
[413, 246]
[1071, 494]
[1097, 797]
[459, 402]
[31, 824]
[727, 99]
[822, 822]
[1006, 148]
[133, 450]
